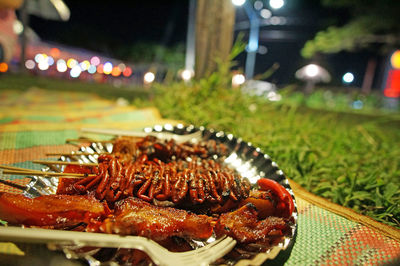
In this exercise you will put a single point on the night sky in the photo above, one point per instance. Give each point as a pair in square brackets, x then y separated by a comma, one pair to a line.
[106, 26]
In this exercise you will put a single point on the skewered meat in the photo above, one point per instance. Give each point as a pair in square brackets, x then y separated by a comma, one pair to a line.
[244, 225]
[133, 216]
[194, 180]
[129, 149]
[58, 211]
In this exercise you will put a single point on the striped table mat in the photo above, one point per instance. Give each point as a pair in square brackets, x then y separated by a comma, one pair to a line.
[38, 121]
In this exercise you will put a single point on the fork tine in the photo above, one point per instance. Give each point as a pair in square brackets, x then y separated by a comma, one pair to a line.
[210, 253]
[225, 248]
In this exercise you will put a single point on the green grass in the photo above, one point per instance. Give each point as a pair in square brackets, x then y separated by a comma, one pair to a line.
[351, 159]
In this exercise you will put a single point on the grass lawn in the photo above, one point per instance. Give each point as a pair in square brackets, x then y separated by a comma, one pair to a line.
[351, 159]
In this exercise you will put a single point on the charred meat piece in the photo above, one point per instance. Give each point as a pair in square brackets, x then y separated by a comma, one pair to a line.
[244, 225]
[57, 211]
[133, 216]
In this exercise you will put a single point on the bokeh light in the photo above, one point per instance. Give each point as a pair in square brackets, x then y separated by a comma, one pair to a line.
[149, 77]
[100, 69]
[3, 67]
[95, 60]
[61, 65]
[238, 2]
[18, 27]
[85, 65]
[122, 66]
[75, 71]
[30, 64]
[55, 52]
[238, 79]
[107, 68]
[348, 77]
[311, 70]
[39, 58]
[395, 59]
[50, 60]
[43, 65]
[276, 4]
[71, 62]
[127, 72]
[265, 13]
[116, 71]
[92, 69]
[187, 74]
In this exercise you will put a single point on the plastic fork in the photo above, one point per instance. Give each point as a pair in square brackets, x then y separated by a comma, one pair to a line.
[160, 255]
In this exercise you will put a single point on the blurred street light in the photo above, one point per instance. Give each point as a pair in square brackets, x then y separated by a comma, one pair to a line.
[312, 74]
[276, 4]
[348, 78]
[149, 77]
[255, 13]
[238, 2]
[238, 79]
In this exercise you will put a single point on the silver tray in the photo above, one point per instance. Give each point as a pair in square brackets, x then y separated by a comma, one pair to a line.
[248, 160]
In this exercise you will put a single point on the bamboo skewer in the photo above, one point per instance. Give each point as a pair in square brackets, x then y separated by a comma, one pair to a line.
[77, 153]
[11, 170]
[12, 184]
[64, 163]
[89, 140]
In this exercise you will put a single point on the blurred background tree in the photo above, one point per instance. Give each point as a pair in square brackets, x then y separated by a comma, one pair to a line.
[369, 24]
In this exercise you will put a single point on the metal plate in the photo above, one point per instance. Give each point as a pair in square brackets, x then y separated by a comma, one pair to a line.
[248, 160]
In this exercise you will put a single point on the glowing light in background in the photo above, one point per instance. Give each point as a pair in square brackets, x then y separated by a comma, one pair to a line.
[55, 52]
[50, 60]
[71, 62]
[39, 58]
[149, 77]
[92, 69]
[61, 65]
[30, 64]
[127, 72]
[187, 74]
[276, 4]
[395, 59]
[18, 27]
[43, 65]
[238, 79]
[312, 70]
[107, 68]
[3, 67]
[75, 71]
[238, 2]
[85, 65]
[348, 77]
[122, 66]
[258, 5]
[100, 69]
[265, 13]
[95, 60]
[116, 71]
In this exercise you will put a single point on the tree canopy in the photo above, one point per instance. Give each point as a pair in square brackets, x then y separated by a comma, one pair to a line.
[371, 24]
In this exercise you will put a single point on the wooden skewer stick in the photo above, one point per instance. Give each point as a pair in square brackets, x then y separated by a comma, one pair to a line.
[12, 170]
[18, 169]
[64, 163]
[45, 174]
[89, 140]
[12, 184]
[76, 153]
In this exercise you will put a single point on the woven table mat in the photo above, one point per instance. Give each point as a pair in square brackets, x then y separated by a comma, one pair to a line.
[38, 121]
